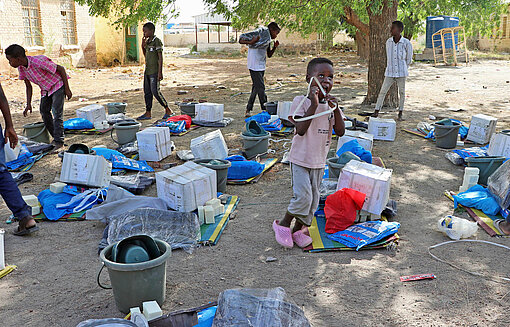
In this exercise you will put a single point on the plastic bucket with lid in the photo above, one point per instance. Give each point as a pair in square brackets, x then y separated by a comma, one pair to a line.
[188, 108]
[126, 131]
[36, 132]
[116, 108]
[135, 283]
[334, 167]
[255, 145]
[446, 135]
[487, 166]
[221, 168]
[271, 107]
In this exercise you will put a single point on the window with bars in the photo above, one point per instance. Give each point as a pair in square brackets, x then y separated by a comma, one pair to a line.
[32, 22]
[68, 22]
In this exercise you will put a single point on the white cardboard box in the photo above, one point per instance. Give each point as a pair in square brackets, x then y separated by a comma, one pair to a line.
[85, 169]
[186, 187]
[154, 143]
[209, 112]
[372, 180]
[382, 128]
[481, 128]
[283, 109]
[209, 146]
[364, 139]
[93, 113]
[499, 145]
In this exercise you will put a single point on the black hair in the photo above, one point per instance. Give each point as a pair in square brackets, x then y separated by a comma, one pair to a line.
[398, 24]
[317, 61]
[273, 26]
[15, 51]
[150, 26]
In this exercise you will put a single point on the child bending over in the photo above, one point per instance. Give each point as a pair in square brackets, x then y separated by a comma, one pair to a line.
[308, 153]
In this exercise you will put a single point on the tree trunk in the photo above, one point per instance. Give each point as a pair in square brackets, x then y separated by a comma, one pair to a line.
[380, 25]
[362, 45]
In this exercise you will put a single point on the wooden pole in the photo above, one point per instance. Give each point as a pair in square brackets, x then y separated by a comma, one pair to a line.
[196, 36]
[208, 41]
[219, 38]
[228, 33]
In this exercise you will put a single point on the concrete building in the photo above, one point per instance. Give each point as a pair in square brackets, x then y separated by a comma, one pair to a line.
[57, 28]
[500, 41]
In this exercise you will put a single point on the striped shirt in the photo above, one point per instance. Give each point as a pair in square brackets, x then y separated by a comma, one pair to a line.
[398, 57]
[43, 72]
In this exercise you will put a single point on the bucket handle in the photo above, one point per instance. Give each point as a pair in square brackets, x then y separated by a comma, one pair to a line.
[99, 275]
[489, 167]
[36, 135]
[111, 135]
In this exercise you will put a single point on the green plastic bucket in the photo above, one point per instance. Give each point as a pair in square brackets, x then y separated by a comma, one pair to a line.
[188, 108]
[135, 283]
[487, 166]
[221, 171]
[126, 131]
[116, 108]
[334, 167]
[446, 135]
[36, 132]
[255, 145]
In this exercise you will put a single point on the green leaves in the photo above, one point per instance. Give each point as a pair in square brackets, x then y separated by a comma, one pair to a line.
[127, 12]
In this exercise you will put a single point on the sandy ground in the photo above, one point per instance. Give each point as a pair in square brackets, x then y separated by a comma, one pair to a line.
[55, 284]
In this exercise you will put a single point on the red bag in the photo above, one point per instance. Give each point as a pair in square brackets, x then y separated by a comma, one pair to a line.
[186, 118]
[341, 208]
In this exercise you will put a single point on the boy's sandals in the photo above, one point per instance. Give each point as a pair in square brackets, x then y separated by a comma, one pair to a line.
[283, 235]
[247, 114]
[301, 239]
[496, 224]
[23, 230]
[143, 117]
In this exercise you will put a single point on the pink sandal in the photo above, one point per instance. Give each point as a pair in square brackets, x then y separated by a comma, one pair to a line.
[283, 235]
[301, 239]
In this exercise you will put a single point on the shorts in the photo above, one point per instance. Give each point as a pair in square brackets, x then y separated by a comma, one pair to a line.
[305, 185]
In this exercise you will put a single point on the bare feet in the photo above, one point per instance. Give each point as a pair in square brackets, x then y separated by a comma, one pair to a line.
[375, 114]
[57, 146]
[169, 111]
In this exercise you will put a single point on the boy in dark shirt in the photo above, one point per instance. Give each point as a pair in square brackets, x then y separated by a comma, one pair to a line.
[152, 49]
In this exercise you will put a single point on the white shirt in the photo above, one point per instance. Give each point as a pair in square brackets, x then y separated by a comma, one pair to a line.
[257, 59]
[398, 57]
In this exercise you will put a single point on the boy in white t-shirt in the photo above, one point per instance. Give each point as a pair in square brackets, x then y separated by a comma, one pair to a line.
[259, 47]
[308, 153]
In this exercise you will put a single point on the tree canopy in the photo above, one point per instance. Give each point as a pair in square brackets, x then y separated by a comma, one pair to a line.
[129, 12]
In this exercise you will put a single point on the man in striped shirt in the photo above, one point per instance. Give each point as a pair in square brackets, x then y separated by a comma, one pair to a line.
[399, 54]
[52, 80]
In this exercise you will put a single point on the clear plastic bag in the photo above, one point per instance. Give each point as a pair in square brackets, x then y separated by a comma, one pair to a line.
[499, 184]
[328, 187]
[179, 229]
[258, 308]
[135, 184]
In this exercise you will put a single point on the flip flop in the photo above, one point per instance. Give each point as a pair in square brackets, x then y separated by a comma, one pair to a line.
[166, 116]
[26, 231]
[496, 224]
[143, 117]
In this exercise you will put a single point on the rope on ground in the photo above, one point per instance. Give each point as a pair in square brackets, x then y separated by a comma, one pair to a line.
[497, 279]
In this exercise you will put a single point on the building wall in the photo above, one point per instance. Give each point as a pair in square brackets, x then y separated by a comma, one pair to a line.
[501, 40]
[111, 42]
[12, 31]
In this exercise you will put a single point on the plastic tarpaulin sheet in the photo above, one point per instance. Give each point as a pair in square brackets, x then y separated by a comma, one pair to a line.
[258, 308]
[179, 229]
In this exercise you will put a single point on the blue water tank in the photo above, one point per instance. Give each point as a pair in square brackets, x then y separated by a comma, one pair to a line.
[435, 23]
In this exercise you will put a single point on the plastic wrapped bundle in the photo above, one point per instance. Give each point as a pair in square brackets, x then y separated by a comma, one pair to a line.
[258, 308]
[179, 229]
[263, 42]
[499, 184]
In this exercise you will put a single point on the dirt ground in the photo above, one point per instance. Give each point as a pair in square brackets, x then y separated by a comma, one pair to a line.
[55, 283]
